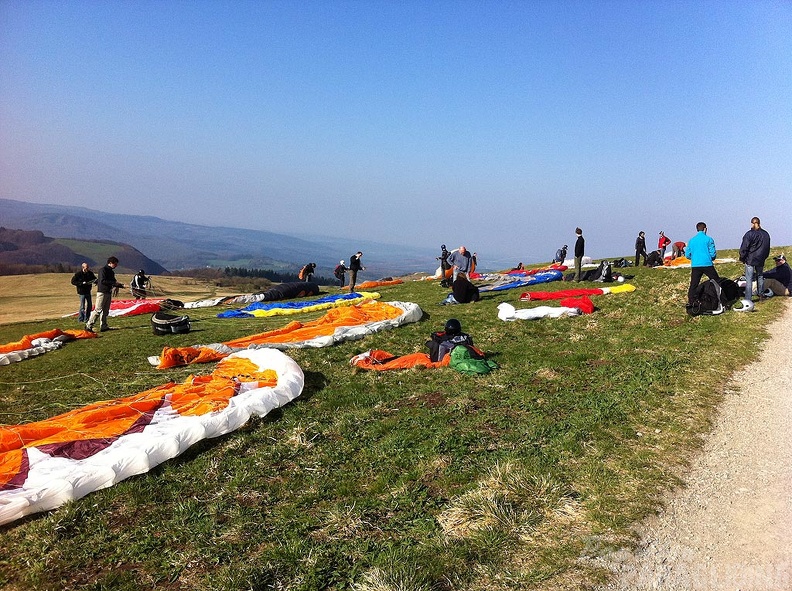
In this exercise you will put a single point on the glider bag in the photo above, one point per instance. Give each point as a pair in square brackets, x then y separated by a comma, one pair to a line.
[162, 324]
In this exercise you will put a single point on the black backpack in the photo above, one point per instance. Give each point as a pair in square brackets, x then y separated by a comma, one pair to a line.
[162, 324]
[338, 271]
[730, 292]
[706, 299]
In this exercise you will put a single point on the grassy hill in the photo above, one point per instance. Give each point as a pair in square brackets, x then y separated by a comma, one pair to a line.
[414, 480]
[31, 248]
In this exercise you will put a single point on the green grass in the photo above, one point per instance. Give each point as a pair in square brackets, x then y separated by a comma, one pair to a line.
[410, 480]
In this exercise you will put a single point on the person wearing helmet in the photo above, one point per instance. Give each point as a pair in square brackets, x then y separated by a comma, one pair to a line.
[444, 264]
[560, 255]
[139, 285]
[339, 272]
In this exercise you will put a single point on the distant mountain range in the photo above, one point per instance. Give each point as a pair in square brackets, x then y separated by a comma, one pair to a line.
[176, 245]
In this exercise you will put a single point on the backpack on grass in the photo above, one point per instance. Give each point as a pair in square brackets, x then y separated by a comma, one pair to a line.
[706, 300]
[162, 324]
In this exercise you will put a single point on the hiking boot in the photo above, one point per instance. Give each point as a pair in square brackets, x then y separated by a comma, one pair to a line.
[89, 329]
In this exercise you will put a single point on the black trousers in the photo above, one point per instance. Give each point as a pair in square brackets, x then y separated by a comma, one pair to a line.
[696, 273]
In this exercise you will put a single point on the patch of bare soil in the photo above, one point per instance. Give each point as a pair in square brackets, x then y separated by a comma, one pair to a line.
[26, 298]
[730, 527]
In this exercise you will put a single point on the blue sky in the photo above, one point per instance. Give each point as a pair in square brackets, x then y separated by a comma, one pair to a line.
[499, 125]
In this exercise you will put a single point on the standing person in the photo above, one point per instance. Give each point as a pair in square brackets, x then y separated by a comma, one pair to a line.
[640, 248]
[139, 284]
[354, 267]
[560, 255]
[444, 266]
[779, 280]
[580, 250]
[754, 250]
[677, 250]
[107, 283]
[460, 262]
[83, 280]
[662, 243]
[701, 252]
[307, 272]
[339, 272]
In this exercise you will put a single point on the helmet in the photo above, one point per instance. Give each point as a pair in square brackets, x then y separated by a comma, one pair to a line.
[744, 305]
[453, 327]
[768, 293]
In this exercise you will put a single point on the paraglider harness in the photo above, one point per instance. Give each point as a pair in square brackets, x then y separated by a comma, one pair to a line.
[713, 297]
[162, 324]
[441, 344]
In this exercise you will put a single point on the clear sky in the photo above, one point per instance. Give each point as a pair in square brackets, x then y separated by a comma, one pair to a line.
[495, 124]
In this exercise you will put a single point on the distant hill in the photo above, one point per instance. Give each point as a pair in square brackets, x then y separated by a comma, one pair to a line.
[176, 245]
[33, 248]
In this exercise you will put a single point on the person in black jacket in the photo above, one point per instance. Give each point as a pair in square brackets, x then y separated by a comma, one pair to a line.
[354, 267]
[464, 291]
[640, 248]
[754, 250]
[580, 250]
[83, 280]
[107, 283]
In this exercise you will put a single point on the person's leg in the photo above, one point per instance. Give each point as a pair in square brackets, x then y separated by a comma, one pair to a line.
[578, 267]
[81, 317]
[105, 312]
[749, 277]
[352, 280]
[97, 312]
[776, 287]
[637, 258]
[760, 280]
[695, 279]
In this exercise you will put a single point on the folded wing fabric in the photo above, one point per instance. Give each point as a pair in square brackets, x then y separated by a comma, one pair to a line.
[337, 325]
[39, 343]
[267, 309]
[533, 296]
[48, 463]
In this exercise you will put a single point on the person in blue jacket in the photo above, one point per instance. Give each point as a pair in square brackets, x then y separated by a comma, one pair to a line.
[701, 252]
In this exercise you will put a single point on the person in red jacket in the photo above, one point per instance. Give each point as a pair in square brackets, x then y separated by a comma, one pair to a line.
[662, 243]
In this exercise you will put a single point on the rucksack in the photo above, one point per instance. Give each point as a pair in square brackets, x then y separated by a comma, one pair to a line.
[706, 300]
[338, 271]
[730, 291]
[604, 273]
[440, 343]
[162, 324]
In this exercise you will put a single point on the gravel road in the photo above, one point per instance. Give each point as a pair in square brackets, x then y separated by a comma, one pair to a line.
[730, 527]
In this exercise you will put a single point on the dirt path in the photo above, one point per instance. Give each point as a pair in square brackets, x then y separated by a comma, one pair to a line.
[731, 527]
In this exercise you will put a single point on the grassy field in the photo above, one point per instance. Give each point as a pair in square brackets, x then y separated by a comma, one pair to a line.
[413, 480]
